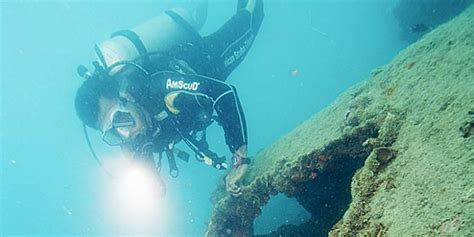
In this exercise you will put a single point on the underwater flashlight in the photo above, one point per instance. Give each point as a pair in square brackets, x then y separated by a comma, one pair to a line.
[136, 201]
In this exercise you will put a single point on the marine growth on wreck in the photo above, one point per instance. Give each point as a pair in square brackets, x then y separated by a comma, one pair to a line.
[391, 156]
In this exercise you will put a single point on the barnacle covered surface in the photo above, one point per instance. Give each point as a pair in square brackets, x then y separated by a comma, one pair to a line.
[393, 155]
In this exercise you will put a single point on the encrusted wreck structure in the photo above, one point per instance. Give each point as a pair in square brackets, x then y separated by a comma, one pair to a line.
[394, 155]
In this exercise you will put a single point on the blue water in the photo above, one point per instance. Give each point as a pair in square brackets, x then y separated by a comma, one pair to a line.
[50, 185]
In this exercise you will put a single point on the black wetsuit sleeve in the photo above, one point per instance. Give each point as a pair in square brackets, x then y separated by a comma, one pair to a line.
[228, 46]
[187, 96]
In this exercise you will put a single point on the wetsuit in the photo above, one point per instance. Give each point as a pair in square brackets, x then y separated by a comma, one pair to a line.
[218, 54]
[188, 85]
[191, 100]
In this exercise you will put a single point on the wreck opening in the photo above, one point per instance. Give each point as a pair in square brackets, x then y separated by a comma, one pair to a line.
[280, 210]
[320, 181]
[326, 198]
[322, 184]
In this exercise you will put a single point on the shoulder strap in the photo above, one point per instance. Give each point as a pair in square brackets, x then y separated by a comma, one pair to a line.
[138, 43]
[183, 23]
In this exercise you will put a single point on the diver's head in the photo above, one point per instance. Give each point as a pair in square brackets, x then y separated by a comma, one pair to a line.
[99, 106]
[88, 95]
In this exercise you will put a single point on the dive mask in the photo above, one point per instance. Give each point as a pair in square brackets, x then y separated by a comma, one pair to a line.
[119, 129]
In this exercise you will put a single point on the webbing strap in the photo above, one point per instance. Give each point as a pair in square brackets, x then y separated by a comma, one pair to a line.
[183, 23]
[138, 43]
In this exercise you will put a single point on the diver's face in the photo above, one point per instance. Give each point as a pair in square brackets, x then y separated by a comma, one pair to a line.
[120, 123]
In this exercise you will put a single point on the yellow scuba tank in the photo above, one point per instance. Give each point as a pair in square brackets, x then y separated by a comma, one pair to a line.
[158, 34]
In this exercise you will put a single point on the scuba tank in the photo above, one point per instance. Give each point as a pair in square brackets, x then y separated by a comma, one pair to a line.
[159, 34]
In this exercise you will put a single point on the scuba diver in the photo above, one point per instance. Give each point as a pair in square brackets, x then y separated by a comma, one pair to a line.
[162, 83]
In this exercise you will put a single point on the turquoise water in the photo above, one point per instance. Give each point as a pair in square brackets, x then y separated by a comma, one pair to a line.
[50, 185]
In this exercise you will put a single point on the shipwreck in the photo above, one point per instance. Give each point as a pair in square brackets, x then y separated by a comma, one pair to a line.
[392, 156]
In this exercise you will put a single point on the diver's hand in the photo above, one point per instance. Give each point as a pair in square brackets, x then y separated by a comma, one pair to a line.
[233, 178]
[237, 173]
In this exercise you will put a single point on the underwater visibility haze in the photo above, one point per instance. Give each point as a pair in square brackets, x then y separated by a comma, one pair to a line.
[305, 55]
